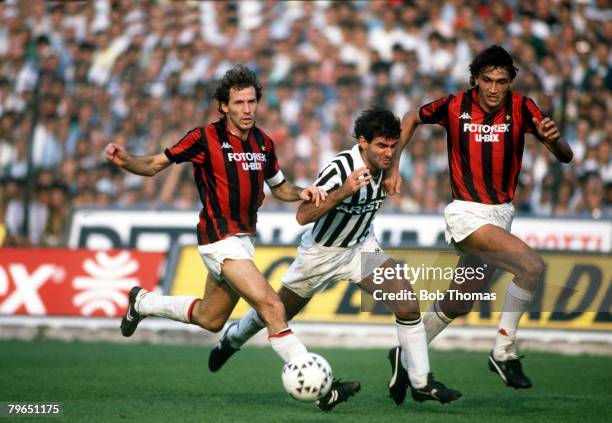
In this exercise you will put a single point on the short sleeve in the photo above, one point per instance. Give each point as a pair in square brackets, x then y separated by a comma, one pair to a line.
[277, 179]
[436, 111]
[189, 148]
[530, 110]
[273, 175]
[329, 179]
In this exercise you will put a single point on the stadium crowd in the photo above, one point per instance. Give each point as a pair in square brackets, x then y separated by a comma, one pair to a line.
[141, 73]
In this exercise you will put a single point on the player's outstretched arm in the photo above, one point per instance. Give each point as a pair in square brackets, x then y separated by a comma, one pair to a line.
[143, 165]
[393, 179]
[551, 137]
[289, 192]
[309, 212]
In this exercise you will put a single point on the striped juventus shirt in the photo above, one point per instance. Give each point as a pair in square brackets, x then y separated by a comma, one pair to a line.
[485, 150]
[350, 221]
[229, 174]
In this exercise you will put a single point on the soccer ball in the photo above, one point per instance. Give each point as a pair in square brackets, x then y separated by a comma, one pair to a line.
[307, 377]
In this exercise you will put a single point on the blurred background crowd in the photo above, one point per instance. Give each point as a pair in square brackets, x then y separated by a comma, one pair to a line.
[141, 74]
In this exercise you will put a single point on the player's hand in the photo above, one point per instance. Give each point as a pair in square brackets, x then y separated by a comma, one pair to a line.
[313, 194]
[356, 180]
[392, 181]
[547, 129]
[115, 154]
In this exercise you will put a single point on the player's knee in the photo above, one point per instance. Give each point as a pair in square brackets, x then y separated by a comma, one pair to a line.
[531, 270]
[456, 308]
[202, 317]
[216, 325]
[464, 307]
[407, 315]
[210, 324]
[408, 309]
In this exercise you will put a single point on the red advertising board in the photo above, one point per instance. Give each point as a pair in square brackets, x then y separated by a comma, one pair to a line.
[65, 282]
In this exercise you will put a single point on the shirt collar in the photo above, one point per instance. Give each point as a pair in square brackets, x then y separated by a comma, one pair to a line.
[357, 159]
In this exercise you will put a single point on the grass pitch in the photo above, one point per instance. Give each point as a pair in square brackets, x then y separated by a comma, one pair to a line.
[139, 382]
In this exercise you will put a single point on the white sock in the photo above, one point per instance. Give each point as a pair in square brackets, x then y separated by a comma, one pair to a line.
[246, 328]
[515, 303]
[172, 307]
[286, 344]
[412, 338]
[434, 321]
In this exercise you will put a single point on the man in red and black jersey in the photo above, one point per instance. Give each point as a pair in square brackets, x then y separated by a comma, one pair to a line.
[486, 129]
[231, 159]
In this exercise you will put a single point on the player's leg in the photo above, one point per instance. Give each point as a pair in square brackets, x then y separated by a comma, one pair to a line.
[410, 330]
[480, 228]
[210, 313]
[462, 220]
[441, 313]
[219, 300]
[503, 250]
[243, 330]
[310, 271]
[142, 303]
[252, 286]
[412, 339]
[299, 285]
[238, 333]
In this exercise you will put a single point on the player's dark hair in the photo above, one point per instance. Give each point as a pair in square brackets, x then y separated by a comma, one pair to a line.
[377, 121]
[238, 77]
[492, 57]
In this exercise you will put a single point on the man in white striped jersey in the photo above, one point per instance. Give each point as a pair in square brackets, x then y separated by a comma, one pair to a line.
[341, 246]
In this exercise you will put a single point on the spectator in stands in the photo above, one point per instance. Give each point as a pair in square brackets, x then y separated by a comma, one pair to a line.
[140, 71]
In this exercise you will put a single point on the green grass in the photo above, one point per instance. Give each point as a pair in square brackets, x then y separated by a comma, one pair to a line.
[139, 382]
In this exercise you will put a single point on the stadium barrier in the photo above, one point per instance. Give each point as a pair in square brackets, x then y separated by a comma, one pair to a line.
[160, 230]
[64, 282]
[576, 293]
[79, 294]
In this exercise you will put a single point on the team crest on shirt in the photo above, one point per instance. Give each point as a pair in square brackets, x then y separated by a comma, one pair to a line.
[508, 117]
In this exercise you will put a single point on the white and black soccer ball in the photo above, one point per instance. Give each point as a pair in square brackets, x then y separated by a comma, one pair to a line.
[307, 377]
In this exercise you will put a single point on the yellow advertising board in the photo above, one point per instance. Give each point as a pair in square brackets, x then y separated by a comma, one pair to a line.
[576, 294]
[2, 234]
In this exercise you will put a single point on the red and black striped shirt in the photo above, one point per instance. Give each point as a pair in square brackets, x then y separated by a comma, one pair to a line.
[485, 150]
[229, 174]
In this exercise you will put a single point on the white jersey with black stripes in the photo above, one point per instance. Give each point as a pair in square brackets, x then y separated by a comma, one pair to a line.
[350, 221]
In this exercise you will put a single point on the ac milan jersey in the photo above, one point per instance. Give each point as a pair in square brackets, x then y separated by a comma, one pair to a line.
[485, 150]
[229, 174]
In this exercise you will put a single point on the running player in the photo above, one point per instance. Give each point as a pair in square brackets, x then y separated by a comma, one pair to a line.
[231, 159]
[486, 128]
[341, 246]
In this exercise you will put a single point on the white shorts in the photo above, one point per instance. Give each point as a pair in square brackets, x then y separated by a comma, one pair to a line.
[235, 247]
[462, 218]
[316, 266]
